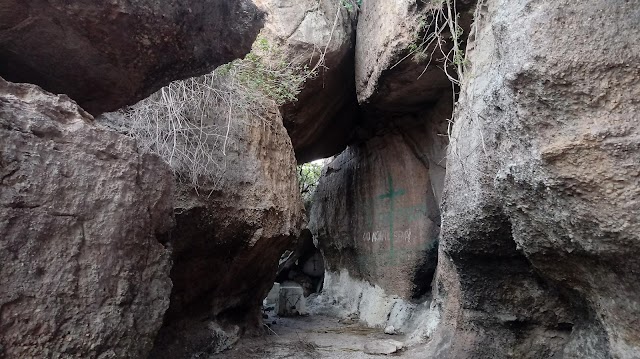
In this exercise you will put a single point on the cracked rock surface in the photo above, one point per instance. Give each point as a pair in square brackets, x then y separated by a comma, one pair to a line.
[540, 222]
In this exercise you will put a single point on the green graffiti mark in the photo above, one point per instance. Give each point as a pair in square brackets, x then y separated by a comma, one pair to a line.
[391, 196]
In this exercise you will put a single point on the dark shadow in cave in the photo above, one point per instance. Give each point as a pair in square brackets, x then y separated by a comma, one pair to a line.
[305, 265]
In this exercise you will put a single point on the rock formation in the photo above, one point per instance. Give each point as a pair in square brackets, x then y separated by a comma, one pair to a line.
[538, 250]
[542, 183]
[376, 212]
[320, 121]
[229, 237]
[392, 71]
[507, 228]
[82, 213]
[228, 240]
[106, 55]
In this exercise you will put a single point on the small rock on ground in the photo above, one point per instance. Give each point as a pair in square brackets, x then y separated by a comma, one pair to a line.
[383, 347]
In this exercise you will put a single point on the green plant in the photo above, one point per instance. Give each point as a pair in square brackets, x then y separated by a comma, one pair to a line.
[351, 4]
[308, 178]
[267, 71]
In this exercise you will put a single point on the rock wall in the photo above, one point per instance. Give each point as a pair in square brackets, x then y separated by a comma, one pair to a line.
[375, 211]
[106, 55]
[82, 213]
[227, 243]
[540, 225]
[529, 248]
[375, 214]
[390, 75]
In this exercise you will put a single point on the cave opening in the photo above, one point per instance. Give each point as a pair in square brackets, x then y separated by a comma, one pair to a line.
[300, 274]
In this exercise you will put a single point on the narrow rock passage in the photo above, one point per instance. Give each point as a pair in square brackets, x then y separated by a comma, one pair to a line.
[316, 336]
[479, 196]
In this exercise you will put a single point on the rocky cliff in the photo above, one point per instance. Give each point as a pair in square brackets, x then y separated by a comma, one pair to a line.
[82, 216]
[376, 213]
[230, 234]
[486, 204]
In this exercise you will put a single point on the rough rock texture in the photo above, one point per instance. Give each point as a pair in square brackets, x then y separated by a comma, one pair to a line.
[388, 76]
[541, 224]
[375, 211]
[320, 122]
[227, 243]
[109, 54]
[82, 273]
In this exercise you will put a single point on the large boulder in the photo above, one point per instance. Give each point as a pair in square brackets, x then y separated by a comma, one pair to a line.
[541, 223]
[82, 271]
[320, 121]
[109, 54]
[375, 214]
[228, 240]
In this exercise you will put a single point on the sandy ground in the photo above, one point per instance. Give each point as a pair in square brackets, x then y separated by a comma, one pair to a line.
[312, 337]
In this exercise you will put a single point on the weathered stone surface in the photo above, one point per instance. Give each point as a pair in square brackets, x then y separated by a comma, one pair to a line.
[382, 347]
[375, 211]
[376, 217]
[109, 54]
[541, 222]
[227, 243]
[388, 75]
[320, 122]
[82, 273]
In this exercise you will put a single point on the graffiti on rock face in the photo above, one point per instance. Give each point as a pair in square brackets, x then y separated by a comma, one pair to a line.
[392, 228]
[384, 236]
[391, 195]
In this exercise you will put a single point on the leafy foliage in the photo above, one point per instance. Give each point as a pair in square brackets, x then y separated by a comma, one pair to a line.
[308, 178]
[351, 4]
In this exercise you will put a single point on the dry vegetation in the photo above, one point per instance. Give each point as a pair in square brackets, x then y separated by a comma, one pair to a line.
[190, 123]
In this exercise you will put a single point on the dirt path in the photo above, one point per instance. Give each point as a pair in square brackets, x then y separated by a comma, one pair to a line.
[312, 337]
